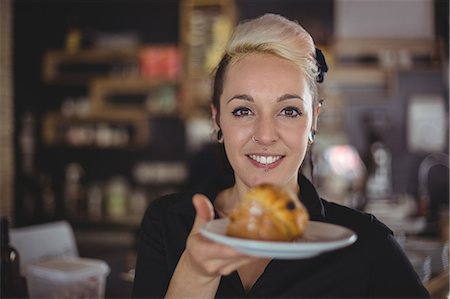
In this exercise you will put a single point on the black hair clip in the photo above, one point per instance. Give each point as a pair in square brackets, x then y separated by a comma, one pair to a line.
[323, 67]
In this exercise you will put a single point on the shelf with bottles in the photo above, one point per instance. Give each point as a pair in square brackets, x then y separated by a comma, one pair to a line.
[387, 53]
[100, 207]
[118, 198]
[124, 88]
[374, 62]
[151, 61]
[100, 130]
[135, 95]
[205, 28]
[105, 187]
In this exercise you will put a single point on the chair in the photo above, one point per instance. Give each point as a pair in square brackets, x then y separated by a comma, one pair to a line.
[43, 241]
[433, 192]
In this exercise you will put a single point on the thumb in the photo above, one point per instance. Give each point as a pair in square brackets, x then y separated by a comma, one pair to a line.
[204, 211]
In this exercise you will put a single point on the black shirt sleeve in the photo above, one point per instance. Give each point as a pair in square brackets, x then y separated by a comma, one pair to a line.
[393, 276]
[151, 276]
[390, 273]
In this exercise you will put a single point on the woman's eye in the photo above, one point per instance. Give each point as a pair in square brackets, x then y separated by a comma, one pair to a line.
[291, 112]
[241, 111]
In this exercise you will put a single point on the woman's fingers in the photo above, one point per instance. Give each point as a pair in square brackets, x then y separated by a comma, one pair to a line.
[205, 256]
[212, 258]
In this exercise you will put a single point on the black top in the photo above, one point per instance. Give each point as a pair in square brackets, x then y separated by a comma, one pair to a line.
[374, 266]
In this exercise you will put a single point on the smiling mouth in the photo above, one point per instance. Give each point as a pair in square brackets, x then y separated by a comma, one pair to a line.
[265, 160]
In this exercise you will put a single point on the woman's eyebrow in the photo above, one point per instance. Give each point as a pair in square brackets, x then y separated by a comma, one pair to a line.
[288, 97]
[249, 98]
[241, 97]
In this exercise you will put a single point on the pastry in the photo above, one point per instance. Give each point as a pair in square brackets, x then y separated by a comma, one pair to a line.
[268, 212]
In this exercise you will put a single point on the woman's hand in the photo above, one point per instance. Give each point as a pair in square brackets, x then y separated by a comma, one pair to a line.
[207, 257]
[203, 262]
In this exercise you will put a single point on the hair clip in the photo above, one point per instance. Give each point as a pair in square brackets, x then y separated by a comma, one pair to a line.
[322, 64]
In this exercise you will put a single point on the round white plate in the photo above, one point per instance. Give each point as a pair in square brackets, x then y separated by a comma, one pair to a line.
[318, 238]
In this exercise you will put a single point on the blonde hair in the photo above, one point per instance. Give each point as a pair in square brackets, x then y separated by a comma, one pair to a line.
[275, 35]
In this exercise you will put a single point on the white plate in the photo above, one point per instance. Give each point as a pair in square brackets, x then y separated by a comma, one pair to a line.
[318, 238]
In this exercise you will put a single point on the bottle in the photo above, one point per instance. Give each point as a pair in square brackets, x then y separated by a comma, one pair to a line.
[95, 202]
[12, 284]
[74, 192]
[116, 202]
[73, 39]
[379, 182]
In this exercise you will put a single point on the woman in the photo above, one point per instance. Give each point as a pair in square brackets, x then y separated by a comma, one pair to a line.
[265, 109]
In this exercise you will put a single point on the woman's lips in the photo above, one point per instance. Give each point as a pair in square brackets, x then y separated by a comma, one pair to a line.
[265, 161]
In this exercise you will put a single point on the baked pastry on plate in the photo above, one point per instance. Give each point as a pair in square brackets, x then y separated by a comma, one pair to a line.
[270, 213]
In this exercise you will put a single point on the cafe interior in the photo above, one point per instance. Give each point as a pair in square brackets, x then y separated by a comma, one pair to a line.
[105, 106]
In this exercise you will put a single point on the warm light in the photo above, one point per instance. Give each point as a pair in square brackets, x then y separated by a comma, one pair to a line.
[344, 160]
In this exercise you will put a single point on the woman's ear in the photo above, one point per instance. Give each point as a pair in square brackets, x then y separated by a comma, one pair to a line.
[215, 117]
[316, 112]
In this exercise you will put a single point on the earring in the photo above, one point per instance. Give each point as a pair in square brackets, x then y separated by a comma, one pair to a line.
[219, 136]
[311, 137]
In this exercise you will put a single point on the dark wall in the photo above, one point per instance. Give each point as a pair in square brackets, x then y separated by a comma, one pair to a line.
[316, 16]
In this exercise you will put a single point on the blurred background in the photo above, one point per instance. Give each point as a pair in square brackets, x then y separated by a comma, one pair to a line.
[105, 106]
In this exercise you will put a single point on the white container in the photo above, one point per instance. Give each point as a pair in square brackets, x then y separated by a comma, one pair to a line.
[67, 277]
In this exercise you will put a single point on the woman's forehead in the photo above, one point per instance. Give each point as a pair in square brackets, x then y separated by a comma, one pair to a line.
[264, 73]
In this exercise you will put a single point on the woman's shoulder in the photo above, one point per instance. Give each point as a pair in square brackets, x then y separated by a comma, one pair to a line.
[360, 222]
[179, 202]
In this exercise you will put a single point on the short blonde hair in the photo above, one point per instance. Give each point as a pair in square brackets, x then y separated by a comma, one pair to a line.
[270, 34]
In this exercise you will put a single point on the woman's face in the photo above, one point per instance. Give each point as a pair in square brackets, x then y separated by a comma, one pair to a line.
[266, 113]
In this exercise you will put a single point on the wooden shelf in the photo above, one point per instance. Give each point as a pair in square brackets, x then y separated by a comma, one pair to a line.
[55, 122]
[357, 76]
[439, 286]
[205, 28]
[150, 61]
[158, 97]
[395, 54]
[107, 222]
[60, 66]
[125, 88]
[357, 63]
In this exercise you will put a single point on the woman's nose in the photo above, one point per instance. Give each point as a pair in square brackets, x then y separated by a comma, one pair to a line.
[265, 131]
